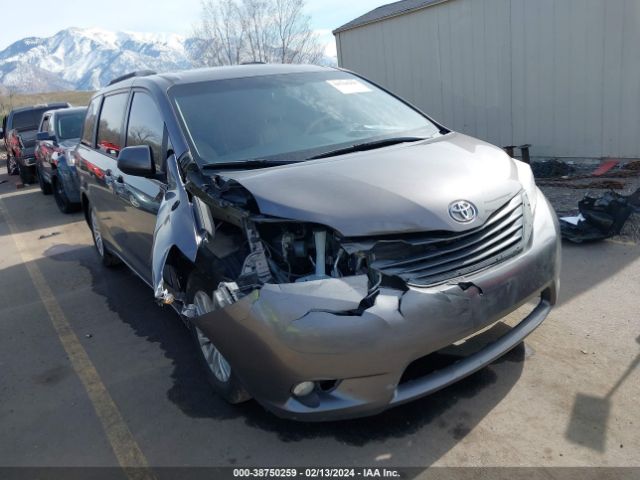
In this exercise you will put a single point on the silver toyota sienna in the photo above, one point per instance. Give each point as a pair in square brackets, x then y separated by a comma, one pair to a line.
[319, 236]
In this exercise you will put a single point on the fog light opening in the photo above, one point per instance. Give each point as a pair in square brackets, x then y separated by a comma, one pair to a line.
[303, 389]
[327, 385]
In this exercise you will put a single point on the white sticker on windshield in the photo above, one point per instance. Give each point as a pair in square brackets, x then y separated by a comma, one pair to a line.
[349, 86]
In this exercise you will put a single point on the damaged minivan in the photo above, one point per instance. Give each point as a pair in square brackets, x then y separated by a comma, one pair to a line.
[317, 234]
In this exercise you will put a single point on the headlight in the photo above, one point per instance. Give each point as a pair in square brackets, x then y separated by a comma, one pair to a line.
[525, 175]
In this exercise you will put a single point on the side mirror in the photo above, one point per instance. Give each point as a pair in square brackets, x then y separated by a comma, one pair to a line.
[42, 136]
[136, 161]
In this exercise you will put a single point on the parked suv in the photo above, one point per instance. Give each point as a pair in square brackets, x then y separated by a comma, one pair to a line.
[57, 136]
[319, 236]
[21, 126]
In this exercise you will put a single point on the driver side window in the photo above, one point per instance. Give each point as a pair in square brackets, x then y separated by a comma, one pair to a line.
[146, 127]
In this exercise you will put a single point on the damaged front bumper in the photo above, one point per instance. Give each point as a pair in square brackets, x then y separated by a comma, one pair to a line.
[281, 335]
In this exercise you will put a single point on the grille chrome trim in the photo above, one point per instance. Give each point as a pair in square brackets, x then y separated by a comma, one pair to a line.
[432, 259]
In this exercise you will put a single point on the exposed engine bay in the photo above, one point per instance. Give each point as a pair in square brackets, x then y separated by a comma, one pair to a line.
[284, 253]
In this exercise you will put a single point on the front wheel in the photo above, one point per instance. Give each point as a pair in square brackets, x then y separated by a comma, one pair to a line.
[218, 370]
[107, 258]
[45, 187]
[63, 202]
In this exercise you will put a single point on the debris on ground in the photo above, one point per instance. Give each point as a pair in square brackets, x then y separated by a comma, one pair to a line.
[555, 173]
[48, 235]
[551, 169]
[600, 217]
[605, 167]
[632, 166]
[602, 184]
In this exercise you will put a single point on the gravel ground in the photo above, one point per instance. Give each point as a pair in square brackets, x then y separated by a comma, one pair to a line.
[565, 198]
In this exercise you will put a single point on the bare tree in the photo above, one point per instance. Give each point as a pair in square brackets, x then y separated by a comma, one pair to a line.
[298, 43]
[220, 32]
[270, 31]
[6, 100]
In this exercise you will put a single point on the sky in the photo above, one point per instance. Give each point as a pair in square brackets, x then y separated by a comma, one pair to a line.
[157, 16]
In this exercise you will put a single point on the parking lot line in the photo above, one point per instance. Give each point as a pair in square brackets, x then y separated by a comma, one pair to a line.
[125, 448]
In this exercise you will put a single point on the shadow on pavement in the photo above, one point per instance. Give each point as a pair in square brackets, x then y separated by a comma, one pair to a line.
[24, 205]
[591, 264]
[590, 414]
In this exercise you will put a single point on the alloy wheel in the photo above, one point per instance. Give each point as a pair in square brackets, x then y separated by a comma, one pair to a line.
[215, 361]
[97, 236]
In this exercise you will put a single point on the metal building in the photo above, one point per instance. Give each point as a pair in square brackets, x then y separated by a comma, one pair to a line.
[562, 75]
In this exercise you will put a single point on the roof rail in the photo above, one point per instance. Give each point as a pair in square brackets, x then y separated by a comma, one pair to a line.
[253, 62]
[138, 73]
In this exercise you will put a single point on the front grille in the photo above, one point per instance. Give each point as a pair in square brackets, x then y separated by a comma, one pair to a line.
[423, 260]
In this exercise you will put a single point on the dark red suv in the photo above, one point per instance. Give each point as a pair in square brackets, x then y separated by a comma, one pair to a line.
[19, 129]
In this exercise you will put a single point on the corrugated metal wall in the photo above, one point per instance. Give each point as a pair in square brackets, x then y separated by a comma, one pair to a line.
[563, 75]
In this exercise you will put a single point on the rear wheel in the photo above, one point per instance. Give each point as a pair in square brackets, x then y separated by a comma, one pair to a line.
[107, 258]
[45, 187]
[61, 198]
[218, 370]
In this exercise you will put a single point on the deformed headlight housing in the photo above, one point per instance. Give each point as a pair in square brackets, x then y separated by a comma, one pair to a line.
[526, 178]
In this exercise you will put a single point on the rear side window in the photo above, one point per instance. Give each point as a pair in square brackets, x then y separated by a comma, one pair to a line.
[110, 124]
[45, 124]
[90, 122]
[146, 127]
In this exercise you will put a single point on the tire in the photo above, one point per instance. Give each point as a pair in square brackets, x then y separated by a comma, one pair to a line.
[25, 175]
[61, 198]
[11, 165]
[45, 187]
[219, 373]
[107, 258]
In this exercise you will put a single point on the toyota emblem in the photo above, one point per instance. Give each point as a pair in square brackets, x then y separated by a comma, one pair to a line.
[462, 211]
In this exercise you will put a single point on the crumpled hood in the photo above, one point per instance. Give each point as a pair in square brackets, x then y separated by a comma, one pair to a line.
[399, 189]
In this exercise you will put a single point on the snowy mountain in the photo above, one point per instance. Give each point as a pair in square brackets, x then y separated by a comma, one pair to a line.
[88, 58]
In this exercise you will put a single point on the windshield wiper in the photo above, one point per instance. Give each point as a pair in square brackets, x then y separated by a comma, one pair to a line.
[255, 163]
[361, 147]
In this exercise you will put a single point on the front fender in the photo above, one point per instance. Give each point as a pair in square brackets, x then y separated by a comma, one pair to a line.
[175, 227]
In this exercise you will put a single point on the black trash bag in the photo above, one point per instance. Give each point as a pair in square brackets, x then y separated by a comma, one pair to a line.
[604, 217]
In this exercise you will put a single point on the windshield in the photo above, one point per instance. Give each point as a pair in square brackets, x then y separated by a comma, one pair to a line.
[69, 125]
[290, 117]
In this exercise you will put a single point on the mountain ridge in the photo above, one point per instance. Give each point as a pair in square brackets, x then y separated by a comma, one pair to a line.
[88, 58]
